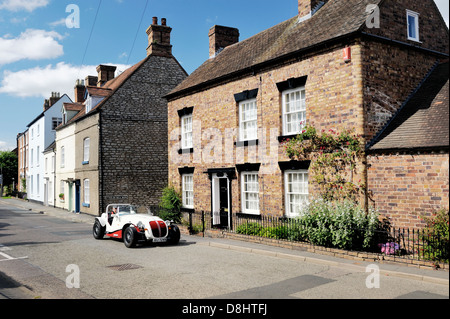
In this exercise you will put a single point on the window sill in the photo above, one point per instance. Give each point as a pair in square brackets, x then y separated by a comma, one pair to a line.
[283, 138]
[187, 210]
[185, 151]
[85, 163]
[86, 205]
[246, 143]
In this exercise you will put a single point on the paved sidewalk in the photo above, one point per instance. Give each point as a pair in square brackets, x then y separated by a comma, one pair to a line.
[398, 270]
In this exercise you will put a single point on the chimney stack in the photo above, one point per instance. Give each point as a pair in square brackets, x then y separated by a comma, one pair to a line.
[159, 39]
[91, 80]
[220, 37]
[52, 100]
[80, 91]
[105, 74]
[307, 8]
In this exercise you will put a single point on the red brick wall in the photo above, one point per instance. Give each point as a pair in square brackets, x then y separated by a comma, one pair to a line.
[406, 186]
[334, 96]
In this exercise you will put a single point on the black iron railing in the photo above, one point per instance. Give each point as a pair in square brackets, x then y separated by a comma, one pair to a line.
[417, 244]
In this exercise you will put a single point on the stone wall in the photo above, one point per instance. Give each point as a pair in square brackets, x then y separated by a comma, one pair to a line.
[134, 135]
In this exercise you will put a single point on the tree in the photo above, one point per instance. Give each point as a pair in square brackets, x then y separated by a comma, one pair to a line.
[8, 167]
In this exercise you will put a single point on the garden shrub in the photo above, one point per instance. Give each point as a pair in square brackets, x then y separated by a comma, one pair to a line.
[170, 205]
[436, 237]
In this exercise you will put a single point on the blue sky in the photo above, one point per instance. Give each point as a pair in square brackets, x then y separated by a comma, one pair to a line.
[40, 54]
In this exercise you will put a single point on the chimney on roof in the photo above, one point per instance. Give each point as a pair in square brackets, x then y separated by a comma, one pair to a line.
[91, 80]
[105, 74]
[52, 100]
[80, 91]
[307, 8]
[220, 37]
[159, 39]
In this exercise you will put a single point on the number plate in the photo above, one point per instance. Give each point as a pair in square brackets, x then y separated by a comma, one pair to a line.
[160, 240]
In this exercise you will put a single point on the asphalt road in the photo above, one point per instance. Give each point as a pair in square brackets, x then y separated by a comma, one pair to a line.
[46, 256]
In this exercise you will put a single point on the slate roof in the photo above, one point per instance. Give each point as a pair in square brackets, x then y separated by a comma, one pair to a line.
[106, 91]
[423, 121]
[335, 19]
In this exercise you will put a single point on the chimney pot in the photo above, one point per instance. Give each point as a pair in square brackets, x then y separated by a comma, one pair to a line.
[155, 21]
[159, 39]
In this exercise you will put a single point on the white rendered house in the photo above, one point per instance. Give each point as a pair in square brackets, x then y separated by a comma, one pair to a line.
[41, 135]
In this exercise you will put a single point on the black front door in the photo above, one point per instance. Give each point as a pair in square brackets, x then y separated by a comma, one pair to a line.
[224, 211]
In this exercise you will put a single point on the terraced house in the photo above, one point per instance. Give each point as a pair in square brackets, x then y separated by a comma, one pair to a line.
[114, 136]
[336, 64]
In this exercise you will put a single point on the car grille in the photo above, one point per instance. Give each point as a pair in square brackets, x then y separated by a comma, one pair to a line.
[159, 229]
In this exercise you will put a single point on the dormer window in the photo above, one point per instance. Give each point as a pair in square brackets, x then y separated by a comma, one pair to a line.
[413, 25]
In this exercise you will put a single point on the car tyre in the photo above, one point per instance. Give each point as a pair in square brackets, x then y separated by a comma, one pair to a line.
[130, 237]
[98, 230]
[174, 235]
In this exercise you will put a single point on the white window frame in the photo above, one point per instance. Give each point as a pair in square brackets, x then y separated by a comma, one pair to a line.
[245, 193]
[86, 149]
[301, 111]
[86, 192]
[186, 131]
[302, 191]
[245, 108]
[63, 157]
[187, 181]
[415, 16]
[37, 156]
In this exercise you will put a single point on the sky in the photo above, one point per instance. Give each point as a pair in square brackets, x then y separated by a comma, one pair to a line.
[46, 45]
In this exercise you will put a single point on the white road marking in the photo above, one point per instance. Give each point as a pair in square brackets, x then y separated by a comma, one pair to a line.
[8, 257]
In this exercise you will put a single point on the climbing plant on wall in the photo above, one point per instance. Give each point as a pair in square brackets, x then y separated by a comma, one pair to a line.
[334, 161]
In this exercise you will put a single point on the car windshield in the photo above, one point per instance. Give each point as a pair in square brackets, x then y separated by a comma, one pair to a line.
[125, 209]
[122, 209]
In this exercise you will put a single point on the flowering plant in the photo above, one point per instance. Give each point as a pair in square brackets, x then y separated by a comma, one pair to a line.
[389, 248]
[334, 159]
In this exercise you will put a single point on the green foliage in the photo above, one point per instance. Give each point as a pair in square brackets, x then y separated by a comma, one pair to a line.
[9, 167]
[436, 237]
[334, 159]
[343, 225]
[170, 205]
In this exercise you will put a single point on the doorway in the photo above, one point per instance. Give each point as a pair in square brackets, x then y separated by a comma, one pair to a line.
[221, 203]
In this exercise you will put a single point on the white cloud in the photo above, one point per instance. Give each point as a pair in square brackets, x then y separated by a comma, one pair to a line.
[41, 81]
[18, 5]
[31, 45]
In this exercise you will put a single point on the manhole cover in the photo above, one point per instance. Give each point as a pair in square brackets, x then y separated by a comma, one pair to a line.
[124, 267]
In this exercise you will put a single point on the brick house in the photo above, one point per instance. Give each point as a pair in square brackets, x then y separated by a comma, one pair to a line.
[120, 129]
[22, 155]
[409, 159]
[328, 67]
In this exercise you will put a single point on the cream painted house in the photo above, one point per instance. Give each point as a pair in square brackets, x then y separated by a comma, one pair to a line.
[65, 186]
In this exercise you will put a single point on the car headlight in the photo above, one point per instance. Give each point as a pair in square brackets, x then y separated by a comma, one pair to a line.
[141, 226]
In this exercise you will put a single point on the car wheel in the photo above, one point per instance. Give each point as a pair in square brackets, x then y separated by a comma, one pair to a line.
[98, 230]
[130, 237]
[174, 235]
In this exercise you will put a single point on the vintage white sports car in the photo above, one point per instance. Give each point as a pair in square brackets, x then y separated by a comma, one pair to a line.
[124, 221]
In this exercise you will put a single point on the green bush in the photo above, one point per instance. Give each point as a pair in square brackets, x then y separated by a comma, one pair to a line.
[436, 237]
[252, 229]
[170, 205]
[343, 225]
